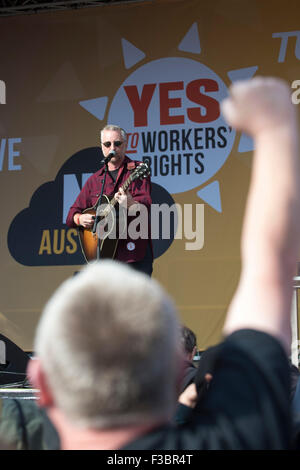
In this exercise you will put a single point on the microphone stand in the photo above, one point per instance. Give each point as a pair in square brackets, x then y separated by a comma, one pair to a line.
[97, 217]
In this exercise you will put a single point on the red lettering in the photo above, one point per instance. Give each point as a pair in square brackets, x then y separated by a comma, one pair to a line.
[210, 104]
[166, 103]
[141, 104]
[207, 111]
[135, 140]
[132, 141]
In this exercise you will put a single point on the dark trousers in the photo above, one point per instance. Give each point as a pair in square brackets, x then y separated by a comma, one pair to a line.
[146, 264]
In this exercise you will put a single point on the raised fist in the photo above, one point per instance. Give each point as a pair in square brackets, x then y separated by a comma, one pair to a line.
[258, 104]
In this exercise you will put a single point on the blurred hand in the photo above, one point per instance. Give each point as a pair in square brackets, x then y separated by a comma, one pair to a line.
[86, 220]
[259, 104]
[189, 396]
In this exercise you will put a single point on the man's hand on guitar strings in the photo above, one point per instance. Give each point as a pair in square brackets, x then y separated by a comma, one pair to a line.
[86, 220]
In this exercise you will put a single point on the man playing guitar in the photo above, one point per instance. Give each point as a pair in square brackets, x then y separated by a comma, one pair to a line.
[136, 251]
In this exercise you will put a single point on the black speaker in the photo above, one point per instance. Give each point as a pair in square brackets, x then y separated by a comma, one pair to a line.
[13, 367]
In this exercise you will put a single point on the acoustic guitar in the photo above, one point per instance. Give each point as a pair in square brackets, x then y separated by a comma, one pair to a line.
[109, 225]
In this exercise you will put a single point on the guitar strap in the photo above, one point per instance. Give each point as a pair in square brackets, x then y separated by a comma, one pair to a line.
[131, 166]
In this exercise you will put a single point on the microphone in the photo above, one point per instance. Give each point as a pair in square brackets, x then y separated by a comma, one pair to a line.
[109, 156]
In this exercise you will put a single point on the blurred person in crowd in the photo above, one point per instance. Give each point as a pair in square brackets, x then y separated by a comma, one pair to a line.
[189, 347]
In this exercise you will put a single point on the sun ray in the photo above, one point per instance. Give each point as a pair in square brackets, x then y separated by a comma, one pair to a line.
[242, 74]
[211, 195]
[96, 106]
[131, 54]
[191, 41]
[246, 144]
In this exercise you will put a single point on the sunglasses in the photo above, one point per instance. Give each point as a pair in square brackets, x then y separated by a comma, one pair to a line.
[117, 143]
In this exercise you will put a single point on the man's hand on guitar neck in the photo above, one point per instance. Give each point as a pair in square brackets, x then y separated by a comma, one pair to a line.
[124, 198]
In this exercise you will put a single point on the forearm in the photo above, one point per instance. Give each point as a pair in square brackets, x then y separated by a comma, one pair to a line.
[82, 202]
[271, 234]
[271, 224]
[76, 219]
[70, 218]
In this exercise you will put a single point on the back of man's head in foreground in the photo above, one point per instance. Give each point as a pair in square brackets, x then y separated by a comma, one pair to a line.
[108, 346]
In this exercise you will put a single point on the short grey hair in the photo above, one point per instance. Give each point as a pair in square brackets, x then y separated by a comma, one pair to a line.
[108, 341]
[112, 127]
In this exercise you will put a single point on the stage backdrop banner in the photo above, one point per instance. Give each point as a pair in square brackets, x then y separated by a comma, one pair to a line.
[159, 70]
